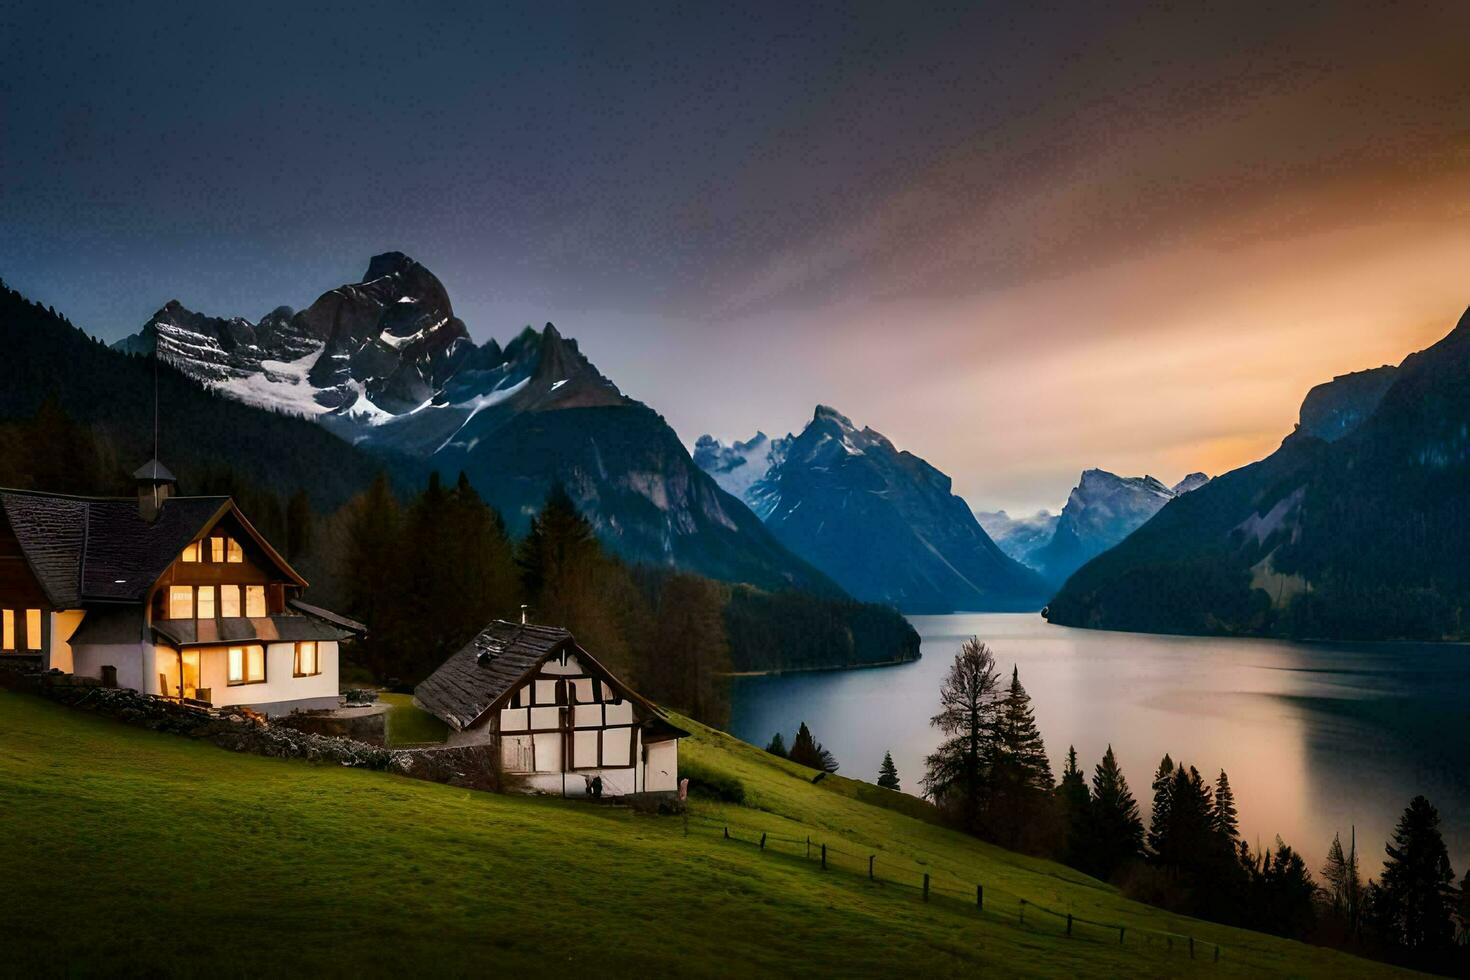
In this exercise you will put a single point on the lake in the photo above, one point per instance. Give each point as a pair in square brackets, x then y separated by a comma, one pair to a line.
[1316, 737]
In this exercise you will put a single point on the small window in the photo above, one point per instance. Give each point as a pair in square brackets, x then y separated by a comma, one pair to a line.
[255, 601]
[206, 602]
[217, 550]
[180, 602]
[8, 629]
[191, 552]
[234, 554]
[229, 601]
[33, 629]
[307, 664]
[247, 665]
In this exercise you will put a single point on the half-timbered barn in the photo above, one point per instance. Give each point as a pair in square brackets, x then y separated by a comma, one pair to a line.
[559, 717]
[168, 595]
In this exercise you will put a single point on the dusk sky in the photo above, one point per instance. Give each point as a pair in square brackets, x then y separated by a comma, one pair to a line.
[1019, 239]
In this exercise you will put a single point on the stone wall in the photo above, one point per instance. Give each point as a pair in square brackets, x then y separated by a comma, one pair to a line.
[240, 729]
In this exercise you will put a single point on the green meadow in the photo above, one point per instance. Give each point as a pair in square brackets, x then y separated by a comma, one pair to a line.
[127, 852]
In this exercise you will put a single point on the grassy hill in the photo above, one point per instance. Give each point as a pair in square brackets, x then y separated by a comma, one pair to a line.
[126, 851]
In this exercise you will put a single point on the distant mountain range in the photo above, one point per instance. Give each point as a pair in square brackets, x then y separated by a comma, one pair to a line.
[882, 522]
[1356, 527]
[387, 365]
[1102, 510]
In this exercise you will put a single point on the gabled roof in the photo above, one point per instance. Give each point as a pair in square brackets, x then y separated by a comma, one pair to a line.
[100, 549]
[481, 676]
[464, 687]
[154, 472]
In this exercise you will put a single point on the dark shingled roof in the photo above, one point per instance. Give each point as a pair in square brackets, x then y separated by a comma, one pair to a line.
[85, 549]
[350, 626]
[154, 472]
[263, 629]
[463, 688]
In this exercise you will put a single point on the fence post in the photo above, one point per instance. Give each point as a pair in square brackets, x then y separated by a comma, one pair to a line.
[980, 897]
[824, 857]
[1191, 947]
[763, 840]
[1069, 923]
[926, 886]
[1120, 935]
[727, 833]
[870, 866]
[808, 845]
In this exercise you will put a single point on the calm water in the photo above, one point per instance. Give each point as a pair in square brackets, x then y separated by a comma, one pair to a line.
[1315, 737]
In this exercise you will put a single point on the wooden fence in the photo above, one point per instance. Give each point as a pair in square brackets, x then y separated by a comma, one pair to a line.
[936, 884]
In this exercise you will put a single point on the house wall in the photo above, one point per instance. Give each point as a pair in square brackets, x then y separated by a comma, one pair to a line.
[129, 659]
[62, 625]
[661, 771]
[280, 692]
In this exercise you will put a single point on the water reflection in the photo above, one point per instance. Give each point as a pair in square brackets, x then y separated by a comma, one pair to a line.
[1316, 737]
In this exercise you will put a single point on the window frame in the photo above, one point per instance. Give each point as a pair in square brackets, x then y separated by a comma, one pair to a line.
[35, 639]
[173, 592]
[234, 553]
[199, 593]
[245, 665]
[239, 603]
[254, 590]
[316, 659]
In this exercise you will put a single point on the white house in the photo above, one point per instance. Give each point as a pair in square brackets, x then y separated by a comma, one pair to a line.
[168, 595]
[558, 716]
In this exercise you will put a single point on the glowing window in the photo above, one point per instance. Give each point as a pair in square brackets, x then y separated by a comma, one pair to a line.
[8, 628]
[229, 601]
[217, 550]
[206, 602]
[180, 602]
[233, 552]
[33, 629]
[255, 601]
[307, 664]
[247, 665]
[191, 552]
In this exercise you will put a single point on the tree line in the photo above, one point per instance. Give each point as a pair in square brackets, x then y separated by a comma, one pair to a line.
[990, 776]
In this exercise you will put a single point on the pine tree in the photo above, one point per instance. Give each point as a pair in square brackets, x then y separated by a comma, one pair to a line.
[1159, 818]
[370, 571]
[1225, 818]
[807, 751]
[1344, 886]
[1017, 813]
[888, 773]
[299, 522]
[955, 775]
[691, 652]
[1116, 826]
[1072, 795]
[1417, 881]
[778, 746]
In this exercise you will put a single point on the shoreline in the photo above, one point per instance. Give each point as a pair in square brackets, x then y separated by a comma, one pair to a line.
[819, 670]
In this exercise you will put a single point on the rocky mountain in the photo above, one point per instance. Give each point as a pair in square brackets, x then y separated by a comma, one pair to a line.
[1102, 510]
[1355, 528]
[881, 522]
[1018, 537]
[386, 364]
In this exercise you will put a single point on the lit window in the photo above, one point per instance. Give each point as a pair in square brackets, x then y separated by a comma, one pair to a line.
[217, 550]
[229, 601]
[33, 629]
[8, 629]
[206, 602]
[180, 602]
[255, 601]
[247, 665]
[307, 664]
[233, 551]
[191, 552]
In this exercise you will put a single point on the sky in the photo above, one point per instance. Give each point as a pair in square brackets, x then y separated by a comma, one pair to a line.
[1020, 240]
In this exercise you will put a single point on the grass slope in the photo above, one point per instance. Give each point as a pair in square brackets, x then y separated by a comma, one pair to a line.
[125, 851]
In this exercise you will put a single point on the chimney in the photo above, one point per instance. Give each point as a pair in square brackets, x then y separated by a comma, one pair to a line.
[524, 607]
[155, 485]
